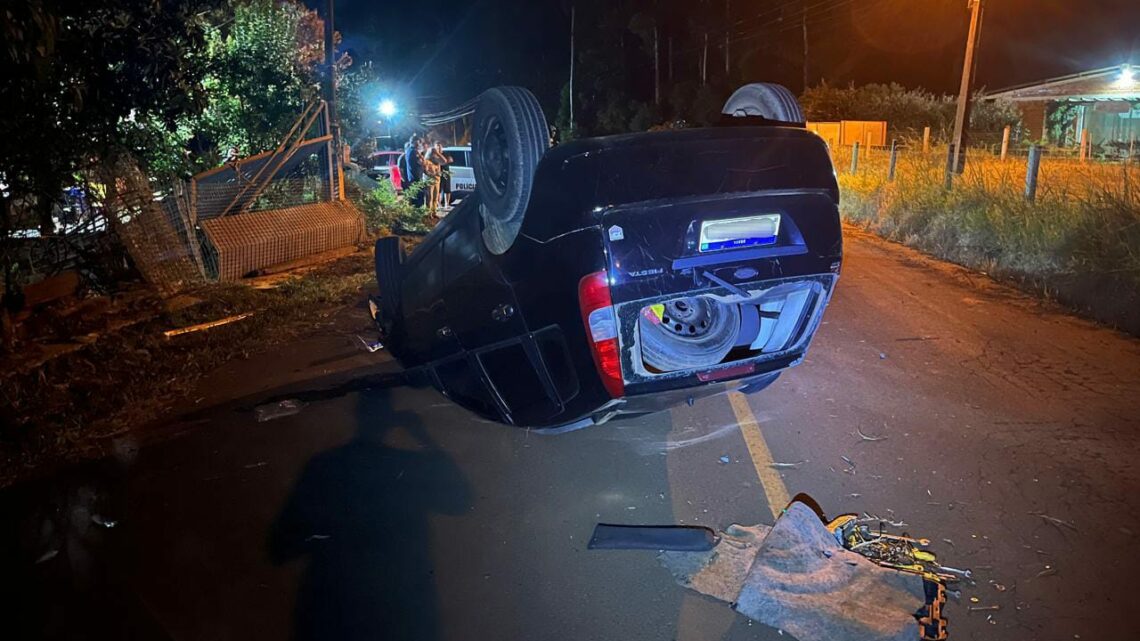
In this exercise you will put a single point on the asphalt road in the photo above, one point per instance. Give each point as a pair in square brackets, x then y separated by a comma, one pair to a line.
[1008, 435]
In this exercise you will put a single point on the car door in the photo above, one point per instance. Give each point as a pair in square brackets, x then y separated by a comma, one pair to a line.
[426, 318]
[481, 304]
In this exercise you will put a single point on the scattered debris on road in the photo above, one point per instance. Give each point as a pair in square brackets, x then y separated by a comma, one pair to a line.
[370, 347]
[725, 460]
[872, 439]
[1052, 520]
[100, 520]
[204, 326]
[896, 583]
[280, 409]
[787, 466]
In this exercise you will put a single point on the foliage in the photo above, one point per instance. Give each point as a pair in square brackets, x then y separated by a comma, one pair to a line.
[357, 97]
[385, 211]
[907, 111]
[80, 78]
[1061, 120]
[262, 67]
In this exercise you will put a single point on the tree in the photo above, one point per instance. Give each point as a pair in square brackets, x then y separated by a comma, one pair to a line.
[79, 76]
[907, 111]
[262, 66]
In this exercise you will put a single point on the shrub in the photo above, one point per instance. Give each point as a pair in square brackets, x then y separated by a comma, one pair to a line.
[387, 212]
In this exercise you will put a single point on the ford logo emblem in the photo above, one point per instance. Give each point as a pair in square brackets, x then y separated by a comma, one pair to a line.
[744, 273]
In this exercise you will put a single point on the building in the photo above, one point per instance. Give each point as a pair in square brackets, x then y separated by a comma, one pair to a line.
[1106, 102]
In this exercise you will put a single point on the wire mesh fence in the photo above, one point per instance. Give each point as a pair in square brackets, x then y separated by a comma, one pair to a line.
[251, 213]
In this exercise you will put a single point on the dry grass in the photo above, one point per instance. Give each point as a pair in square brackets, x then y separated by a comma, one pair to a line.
[1083, 230]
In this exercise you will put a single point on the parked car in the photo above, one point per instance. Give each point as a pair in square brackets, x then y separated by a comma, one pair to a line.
[461, 171]
[385, 166]
[619, 275]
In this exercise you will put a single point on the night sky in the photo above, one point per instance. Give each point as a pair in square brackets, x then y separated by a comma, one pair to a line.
[445, 51]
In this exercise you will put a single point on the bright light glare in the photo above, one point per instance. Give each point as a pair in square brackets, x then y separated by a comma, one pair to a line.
[1127, 76]
[387, 108]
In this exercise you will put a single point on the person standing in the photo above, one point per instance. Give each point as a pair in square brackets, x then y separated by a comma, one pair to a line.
[443, 181]
[412, 160]
[431, 172]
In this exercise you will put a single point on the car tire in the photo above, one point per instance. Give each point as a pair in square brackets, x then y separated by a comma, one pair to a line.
[389, 258]
[667, 351]
[766, 100]
[510, 135]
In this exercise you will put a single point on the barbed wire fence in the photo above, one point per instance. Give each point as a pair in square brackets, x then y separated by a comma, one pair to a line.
[994, 161]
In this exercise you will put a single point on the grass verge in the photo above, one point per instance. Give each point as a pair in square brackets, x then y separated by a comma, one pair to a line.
[62, 409]
[1079, 243]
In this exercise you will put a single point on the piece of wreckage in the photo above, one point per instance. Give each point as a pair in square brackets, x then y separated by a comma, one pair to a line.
[619, 275]
[819, 580]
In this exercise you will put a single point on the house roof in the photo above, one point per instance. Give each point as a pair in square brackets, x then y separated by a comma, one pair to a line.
[1088, 86]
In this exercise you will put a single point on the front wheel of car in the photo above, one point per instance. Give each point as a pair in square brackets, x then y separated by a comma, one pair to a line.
[766, 100]
[509, 137]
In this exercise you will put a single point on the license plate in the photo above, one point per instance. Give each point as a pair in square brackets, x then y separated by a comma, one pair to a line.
[731, 233]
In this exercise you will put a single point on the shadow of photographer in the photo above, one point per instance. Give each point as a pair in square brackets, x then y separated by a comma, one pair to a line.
[361, 512]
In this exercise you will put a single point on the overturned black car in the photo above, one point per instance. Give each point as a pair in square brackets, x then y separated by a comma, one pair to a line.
[619, 275]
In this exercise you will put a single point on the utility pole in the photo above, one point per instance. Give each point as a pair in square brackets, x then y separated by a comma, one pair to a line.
[330, 101]
[803, 23]
[967, 80]
[705, 61]
[726, 41]
[572, 8]
[656, 68]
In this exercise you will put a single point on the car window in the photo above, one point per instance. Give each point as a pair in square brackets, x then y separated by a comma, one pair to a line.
[460, 254]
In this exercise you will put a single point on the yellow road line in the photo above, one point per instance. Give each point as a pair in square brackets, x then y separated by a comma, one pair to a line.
[774, 488]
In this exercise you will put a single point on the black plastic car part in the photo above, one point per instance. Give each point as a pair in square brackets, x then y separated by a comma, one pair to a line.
[510, 136]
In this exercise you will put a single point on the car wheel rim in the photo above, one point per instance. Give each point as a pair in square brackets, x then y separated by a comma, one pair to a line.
[687, 318]
[495, 156]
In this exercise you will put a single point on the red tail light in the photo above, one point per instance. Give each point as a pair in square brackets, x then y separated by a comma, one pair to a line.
[601, 329]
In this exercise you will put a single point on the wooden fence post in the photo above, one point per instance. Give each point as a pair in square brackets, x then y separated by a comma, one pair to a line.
[855, 157]
[1084, 142]
[949, 180]
[926, 140]
[1005, 143]
[1031, 173]
[894, 161]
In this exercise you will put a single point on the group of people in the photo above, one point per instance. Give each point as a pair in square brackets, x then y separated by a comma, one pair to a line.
[424, 158]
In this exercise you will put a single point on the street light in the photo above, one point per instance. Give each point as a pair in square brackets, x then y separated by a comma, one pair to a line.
[387, 108]
[1127, 77]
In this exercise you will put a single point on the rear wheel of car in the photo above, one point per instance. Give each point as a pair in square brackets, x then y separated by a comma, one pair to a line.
[766, 100]
[688, 333]
[509, 137]
[389, 258]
